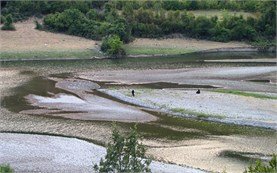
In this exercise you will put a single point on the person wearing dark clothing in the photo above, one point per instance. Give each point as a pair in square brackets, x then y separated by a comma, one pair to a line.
[198, 92]
[133, 93]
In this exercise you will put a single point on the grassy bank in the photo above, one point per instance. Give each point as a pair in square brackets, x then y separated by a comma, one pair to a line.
[16, 55]
[156, 50]
[247, 94]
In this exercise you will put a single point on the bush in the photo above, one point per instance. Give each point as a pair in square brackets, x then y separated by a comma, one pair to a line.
[3, 19]
[6, 169]
[38, 25]
[260, 167]
[112, 45]
[124, 154]
[8, 25]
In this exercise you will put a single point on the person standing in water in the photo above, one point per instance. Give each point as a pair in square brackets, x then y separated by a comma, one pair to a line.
[133, 93]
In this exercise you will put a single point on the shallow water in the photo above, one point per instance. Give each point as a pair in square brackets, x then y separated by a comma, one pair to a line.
[171, 62]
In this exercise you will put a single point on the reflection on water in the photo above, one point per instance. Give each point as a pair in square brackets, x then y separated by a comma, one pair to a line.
[171, 62]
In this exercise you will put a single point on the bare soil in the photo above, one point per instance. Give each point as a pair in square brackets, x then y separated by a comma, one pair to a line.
[27, 38]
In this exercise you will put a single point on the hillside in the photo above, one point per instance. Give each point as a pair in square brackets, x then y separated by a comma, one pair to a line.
[27, 42]
[118, 23]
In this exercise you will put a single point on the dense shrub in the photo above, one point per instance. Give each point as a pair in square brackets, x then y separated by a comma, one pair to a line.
[112, 45]
[6, 168]
[2, 19]
[8, 25]
[38, 25]
[260, 167]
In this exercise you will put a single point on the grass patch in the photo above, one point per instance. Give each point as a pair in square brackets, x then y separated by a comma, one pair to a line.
[198, 114]
[242, 156]
[48, 54]
[174, 128]
[156, 50]
[246, 94]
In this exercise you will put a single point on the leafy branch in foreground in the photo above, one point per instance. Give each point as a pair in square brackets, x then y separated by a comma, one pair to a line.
[5, 168]
[260, 167]
[124, 154]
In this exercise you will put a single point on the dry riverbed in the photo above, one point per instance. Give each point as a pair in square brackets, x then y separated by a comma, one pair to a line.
[209, 146]
[223, 107]
[43, 153]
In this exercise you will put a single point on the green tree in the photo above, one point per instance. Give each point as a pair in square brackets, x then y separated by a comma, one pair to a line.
[124, 154]
[8, 25]
[202, 27]
[6, 168]
[112, 45]
[260, 167]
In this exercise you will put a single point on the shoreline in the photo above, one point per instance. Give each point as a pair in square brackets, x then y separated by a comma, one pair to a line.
[217, 50]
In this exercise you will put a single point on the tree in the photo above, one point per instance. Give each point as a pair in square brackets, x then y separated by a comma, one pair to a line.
[6, 168]
[202, 27]
[8, 25]
[260, 167]
[124, 154]
[112, 45]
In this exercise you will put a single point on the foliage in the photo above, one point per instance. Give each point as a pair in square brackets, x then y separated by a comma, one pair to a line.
[3, 19]
[8, 25]
[38, 25]
[6, 169]
[112, 45]
[260, 167]
[152, 19]
[124, 154]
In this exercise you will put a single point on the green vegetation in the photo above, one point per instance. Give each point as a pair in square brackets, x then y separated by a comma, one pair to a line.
[38, 25]
[2, 19]
[198, 114]
[247, 94]
[49, 54]
[178, 128]
[5, 168]
[112, 45]
[8, 24]
[223, 13]
[242, 156]
[156, 50]
[124, 154]
[260, 167]
[152, 19]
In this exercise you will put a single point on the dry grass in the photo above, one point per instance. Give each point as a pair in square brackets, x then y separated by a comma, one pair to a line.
[176, 45]
[27, 38]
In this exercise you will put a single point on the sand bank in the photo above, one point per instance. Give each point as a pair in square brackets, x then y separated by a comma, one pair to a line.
[36, 153]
